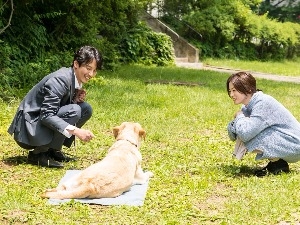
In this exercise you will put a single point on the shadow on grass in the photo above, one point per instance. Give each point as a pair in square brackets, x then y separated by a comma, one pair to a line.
[239, 171]
[15, 160]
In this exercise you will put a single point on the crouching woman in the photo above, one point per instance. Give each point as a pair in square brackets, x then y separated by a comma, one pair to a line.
[262, 126]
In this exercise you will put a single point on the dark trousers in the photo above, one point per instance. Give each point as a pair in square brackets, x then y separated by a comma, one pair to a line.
[74, 114]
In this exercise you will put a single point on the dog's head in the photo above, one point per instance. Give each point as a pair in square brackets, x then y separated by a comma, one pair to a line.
[130, 131]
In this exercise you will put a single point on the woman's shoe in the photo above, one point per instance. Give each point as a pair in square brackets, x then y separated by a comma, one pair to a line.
[261, 172]
[273, 167]
[278, 166]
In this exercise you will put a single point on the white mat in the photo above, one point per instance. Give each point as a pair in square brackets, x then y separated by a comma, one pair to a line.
[134, 197]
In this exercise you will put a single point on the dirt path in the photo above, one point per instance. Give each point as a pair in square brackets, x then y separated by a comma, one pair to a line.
[231, 71]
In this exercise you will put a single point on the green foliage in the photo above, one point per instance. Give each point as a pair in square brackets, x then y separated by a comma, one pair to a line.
[289, 11]
[26, 35]
[20, 76]
[109, 51]
[42, 32]
[142, 45]
[232, 29]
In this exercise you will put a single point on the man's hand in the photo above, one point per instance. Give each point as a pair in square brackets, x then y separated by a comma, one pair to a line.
[82, 134]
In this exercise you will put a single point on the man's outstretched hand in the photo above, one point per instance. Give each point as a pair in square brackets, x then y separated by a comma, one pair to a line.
[82, 134]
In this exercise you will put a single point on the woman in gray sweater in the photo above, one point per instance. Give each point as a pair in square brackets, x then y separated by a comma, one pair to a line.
[262, 126]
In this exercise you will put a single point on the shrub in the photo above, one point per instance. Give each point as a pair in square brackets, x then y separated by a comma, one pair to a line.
[142, 45]
[233, 29]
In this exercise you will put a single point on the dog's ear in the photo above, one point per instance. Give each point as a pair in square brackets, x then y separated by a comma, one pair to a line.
[142, 133]
[116, 131]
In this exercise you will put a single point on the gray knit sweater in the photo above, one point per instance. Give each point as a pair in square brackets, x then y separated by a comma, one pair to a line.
[267, 125]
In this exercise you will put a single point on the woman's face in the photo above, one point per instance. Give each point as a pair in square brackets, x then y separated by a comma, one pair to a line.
[85, 72]
[237, 97]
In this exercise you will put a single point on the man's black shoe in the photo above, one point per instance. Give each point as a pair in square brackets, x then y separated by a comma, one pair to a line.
[275, 168]
[42, 159]
[59, 155]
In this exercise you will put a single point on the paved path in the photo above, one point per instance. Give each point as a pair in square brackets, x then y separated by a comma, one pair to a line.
[231, 71]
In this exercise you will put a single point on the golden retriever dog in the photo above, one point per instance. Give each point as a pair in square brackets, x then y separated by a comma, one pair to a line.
[114, 174]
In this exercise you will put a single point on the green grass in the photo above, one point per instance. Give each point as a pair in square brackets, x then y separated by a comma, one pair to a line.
[286, 68]
[196, 179]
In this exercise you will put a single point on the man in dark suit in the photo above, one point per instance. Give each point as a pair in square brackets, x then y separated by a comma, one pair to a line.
[53, 111]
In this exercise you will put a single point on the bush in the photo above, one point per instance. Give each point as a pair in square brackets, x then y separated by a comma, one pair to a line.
[142, 45]
[233, 29]
[43, 36]
[18, 75]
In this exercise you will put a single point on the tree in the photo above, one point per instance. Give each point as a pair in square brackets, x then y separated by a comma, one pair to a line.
[10, 17]
[233, 28]
[39, 35]
[283, 10]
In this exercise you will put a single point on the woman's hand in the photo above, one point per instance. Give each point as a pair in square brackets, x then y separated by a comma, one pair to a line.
[238, 113]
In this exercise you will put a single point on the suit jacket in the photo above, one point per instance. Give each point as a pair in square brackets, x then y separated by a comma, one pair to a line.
[36, 118]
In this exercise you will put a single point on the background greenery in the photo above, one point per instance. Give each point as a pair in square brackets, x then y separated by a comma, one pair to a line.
[37, 37]
[42, 36]
[196, 179]
[237, 28]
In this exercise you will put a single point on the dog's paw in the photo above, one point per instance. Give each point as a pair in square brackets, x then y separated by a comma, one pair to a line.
[51, 190]
[44, 195]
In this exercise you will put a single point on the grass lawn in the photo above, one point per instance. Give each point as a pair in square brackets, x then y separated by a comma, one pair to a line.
[286, 68]
[187, 148]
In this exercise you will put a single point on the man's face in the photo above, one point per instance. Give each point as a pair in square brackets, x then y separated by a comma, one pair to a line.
[85, 72]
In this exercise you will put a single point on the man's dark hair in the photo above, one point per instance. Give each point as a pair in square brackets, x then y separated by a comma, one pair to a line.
[86, 54]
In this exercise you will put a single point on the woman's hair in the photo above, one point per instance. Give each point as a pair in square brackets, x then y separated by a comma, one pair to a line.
[243, 82]
[86, 54]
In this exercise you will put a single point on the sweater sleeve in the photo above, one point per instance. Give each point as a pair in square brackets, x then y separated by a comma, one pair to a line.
[231, 127]
[247, 128]
[231, 131]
